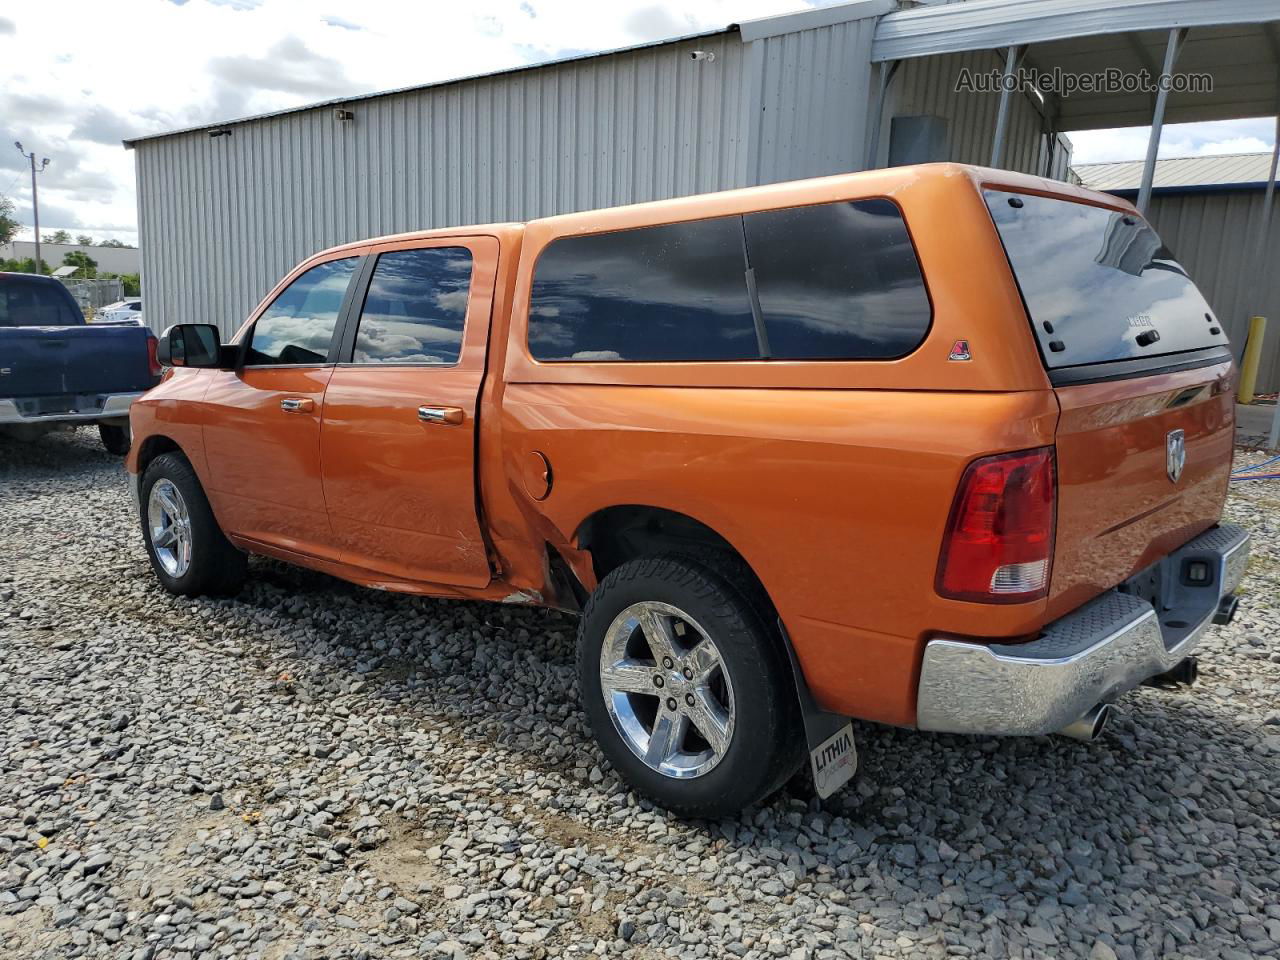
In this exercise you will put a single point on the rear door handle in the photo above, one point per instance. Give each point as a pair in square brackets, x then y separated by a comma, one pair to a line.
[451, 416]
[297, 404]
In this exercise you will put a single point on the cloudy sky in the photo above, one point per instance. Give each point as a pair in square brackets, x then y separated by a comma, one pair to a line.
[77, 76]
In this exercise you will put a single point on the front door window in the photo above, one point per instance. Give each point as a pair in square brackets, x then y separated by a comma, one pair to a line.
[297, 329]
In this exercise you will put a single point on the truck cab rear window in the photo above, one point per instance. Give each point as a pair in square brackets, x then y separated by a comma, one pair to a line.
[31, 302]
[1098, 284]
[836, 281]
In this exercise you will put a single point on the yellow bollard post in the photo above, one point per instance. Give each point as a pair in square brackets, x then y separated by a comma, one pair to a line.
[1252, 356]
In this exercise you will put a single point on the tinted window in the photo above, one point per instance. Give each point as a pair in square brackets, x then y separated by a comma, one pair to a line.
[298, 326]
[416, 307]
[837, 281]
[1098, 283]
[672, 292]
[28, 302]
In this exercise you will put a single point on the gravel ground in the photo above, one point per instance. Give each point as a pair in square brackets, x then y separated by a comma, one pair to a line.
[314, 770]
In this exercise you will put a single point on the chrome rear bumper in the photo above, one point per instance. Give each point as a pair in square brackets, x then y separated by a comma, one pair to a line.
[1106, 647]
[99, 407]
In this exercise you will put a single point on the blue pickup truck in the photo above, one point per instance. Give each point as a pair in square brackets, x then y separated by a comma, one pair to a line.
[55, 369]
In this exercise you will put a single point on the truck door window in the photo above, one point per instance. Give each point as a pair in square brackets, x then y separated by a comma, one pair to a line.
[838, 281]
[665, 293]
[298, 327]
[416, 307]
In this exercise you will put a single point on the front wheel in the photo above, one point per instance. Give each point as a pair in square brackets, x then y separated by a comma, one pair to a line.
[187, 549]
[688, 692]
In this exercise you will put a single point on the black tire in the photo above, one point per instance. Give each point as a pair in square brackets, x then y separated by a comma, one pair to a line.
[766, 745]
[216, 567]
[115, 439]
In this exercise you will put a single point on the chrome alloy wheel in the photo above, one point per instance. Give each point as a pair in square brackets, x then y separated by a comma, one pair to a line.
[170, 528]
[666, 690]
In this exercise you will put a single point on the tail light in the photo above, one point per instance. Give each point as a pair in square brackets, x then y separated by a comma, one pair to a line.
[153, 361]
[998, 546]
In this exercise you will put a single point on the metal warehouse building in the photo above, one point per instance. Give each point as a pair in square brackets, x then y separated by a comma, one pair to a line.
[225, 210]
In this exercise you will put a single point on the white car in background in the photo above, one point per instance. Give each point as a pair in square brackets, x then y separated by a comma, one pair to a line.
[122, 310]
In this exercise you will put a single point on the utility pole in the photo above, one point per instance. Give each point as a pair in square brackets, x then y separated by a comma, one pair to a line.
[35, 201]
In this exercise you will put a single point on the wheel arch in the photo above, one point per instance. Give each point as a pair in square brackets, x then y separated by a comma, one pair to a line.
[616, 534]
[153, 446]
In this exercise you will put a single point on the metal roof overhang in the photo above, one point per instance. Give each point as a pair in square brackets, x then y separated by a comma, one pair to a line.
[1236, 42]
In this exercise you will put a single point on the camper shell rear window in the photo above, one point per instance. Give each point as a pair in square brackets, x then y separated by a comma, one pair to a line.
[1098, 283]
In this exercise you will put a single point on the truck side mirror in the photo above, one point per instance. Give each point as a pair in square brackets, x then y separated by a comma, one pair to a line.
[190, 345]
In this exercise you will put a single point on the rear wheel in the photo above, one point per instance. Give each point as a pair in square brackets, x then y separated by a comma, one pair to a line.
[686, 689]
[188, 551]
[115, 439]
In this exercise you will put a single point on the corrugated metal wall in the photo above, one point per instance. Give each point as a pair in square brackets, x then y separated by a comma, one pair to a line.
[810, 97]
[928, 86]
[1213, 235]
[222, 218]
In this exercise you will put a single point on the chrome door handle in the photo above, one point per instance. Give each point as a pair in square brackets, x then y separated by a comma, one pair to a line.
[447, 415]
[297, 405]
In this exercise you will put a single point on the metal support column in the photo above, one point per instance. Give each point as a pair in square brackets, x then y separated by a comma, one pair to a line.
[1273, 439]
[1011, 58]
[888, 70]
[1171, 50]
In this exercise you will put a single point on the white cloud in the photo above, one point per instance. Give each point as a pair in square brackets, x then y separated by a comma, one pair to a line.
[1233, 145]
[1176, 140]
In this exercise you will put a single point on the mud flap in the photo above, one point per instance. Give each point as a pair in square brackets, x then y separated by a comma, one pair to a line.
[833, 757]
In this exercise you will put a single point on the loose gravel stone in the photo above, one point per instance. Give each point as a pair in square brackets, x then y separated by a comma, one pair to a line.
[313, 770]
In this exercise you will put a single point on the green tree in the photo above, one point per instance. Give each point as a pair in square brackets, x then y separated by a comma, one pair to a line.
[25, 265]
[84, 240]
[114, 243]
[85, 265]
[132, 288]
[58, 236]
[8, 225]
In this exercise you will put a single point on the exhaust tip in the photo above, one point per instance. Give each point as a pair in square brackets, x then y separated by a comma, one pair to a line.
[1089, 727]
[1183, 673]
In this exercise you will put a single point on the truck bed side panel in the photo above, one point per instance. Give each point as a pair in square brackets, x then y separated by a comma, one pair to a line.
[836, 498]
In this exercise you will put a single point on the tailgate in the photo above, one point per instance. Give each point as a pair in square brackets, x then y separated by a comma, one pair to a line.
[1120, 507]
[57, 361]
[1142, 373]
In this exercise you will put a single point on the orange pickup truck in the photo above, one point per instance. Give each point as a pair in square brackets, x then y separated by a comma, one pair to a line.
[938, 447]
